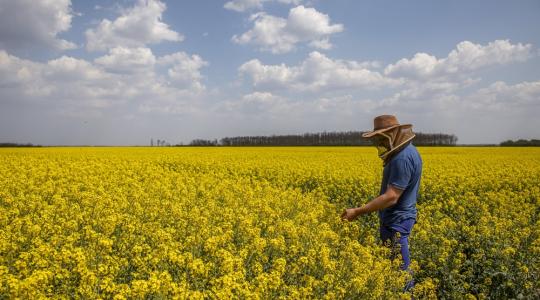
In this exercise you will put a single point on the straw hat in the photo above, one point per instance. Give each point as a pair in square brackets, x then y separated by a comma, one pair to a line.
[384, 123]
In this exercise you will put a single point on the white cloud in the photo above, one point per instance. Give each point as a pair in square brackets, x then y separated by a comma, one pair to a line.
[126, 60]
[439, 84]
[424, 96]
[181, 70]
[73, 85]
[71, 69]
[279, 35]
[244, 5]
[501, 96]
[28, 23]
[184, 70]
[421, 65]
[316, 73]
[136, 27]
[295, 2]
[268, 109]
[16, 72]
[257, 104]
[323, 44]
[59, 80]
[465, 58]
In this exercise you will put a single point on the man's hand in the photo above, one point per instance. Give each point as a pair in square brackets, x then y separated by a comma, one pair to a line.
[349, 214]
[389, 198]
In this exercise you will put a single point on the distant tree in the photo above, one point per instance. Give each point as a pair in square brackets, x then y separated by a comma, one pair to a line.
[521, 143]
[201, 142]
[18, 145]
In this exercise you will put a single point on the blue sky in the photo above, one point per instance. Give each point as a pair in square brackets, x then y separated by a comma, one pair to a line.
[105, 72]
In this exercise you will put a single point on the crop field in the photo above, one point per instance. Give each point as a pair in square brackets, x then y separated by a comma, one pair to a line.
[261, 223]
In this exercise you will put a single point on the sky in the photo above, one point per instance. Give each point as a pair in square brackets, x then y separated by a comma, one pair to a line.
[126, 72]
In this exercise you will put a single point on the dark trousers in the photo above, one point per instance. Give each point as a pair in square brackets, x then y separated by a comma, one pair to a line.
[396, 236]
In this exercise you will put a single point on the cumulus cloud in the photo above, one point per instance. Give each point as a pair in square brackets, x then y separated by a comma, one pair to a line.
[184, 70]
[280, 35]
[62, 81]
[272, 109]
[424, 96]
[72, 69]
[439, 83]
[257, 104]
[465, 58]
[16, 73]
[136, 27]
[126, 60]
[180, 70]
[25, 23]
[500, 96]
[110, 80]
[244, 5]
[316, 73]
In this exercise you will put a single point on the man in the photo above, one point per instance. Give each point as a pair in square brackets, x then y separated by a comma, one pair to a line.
[396, 202]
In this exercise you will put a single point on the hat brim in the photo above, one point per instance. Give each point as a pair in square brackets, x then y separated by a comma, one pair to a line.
[374, 132]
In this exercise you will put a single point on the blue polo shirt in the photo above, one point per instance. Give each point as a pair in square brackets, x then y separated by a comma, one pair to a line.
[403, 171]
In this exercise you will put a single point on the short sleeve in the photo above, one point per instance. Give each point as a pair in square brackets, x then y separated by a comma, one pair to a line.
[400, 173]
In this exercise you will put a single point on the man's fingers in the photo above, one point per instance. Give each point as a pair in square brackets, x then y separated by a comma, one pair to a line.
[344, 215]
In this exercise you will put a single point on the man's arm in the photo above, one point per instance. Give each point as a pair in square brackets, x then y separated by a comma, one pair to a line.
[389, 198]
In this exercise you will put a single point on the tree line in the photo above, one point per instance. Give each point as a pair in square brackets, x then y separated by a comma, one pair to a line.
[347, 138]
[18, 145]
[521, 142]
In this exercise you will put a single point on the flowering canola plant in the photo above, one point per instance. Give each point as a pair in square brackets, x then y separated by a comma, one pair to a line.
[261, 223]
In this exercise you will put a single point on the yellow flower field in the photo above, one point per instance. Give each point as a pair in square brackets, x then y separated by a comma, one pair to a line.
[261, 223]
